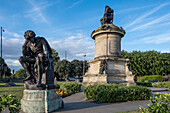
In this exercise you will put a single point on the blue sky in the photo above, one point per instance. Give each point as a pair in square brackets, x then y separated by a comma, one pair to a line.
[68, 24]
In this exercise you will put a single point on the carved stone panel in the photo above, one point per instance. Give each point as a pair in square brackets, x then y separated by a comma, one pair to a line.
[115, 67]
[114, 45]
[100, 45]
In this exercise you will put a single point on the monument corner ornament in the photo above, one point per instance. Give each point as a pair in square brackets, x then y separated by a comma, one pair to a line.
[40, 91]
[108, 66]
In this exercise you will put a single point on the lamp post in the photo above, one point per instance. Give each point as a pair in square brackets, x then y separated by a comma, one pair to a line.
[65, 55]
[2, 30]
[84, 64]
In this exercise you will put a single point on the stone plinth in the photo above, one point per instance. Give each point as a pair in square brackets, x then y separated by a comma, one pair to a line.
[40, 101]
[117, 72]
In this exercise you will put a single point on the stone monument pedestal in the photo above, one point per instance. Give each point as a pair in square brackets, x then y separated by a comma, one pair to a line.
[108, 66]
[117, 72]
[40, 101]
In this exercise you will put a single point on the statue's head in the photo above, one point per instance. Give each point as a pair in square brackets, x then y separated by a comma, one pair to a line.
[29, 34]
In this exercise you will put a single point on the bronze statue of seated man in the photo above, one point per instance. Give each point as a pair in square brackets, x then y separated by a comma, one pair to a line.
[37, 57]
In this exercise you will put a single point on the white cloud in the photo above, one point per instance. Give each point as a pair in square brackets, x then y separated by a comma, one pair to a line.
[154, 39]
[17, 35]
[76, 46]
[11, 62]
[37, 11]
[156, 21]
[74, 4]
[165, 51]
[141, 18]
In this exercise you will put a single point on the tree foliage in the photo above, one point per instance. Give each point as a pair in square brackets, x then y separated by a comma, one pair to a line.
[7, 70]
[73, 68]
[148, 63]
[62, 68]
[20, 73]
[56, 58]
[77, 67]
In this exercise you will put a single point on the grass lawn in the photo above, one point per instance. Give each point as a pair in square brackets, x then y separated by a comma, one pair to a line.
[17, 91]
[17, 84]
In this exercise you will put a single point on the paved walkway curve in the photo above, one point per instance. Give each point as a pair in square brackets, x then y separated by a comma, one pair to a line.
[76, 104]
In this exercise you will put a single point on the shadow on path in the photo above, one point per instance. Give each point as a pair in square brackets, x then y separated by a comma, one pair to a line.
[79, 105]
[76, 104]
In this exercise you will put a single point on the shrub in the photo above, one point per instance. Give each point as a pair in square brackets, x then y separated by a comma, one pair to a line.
[116, 93]
[147, 84]
[162, 84]
[69, 86]
[91, 91]
[151, 78]
[159, 104]
[58, 85]
[11, 102]
[166, 78]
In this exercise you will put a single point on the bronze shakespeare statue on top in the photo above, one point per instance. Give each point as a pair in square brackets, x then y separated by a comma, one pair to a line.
[37, 61]
[108, 16]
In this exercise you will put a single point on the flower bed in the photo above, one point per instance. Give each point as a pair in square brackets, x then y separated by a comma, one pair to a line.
[63, 93]
[159, 103]
[69, 86]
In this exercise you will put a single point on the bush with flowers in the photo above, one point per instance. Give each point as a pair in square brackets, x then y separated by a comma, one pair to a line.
[63, 93]
[67, 88]
[159, 103]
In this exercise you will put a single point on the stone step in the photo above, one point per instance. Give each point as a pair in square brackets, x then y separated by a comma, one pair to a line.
[155, 89]
[163, 92]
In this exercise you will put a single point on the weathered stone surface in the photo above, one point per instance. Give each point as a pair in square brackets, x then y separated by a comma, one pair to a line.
[40, 101]
[117, 72]
[108, 42]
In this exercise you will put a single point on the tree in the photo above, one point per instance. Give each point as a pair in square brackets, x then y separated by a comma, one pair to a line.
[56, 58]
[148, 63]
[20, 73]
[6, 69]
[77, 67]
[62, 68]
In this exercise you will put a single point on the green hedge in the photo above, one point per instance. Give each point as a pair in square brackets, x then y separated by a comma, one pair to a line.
[11, 102]
[150, 78]
[162, 84]
[69, 86]
[147, 84]
[116, 93]
[159, 103]
[148, 63]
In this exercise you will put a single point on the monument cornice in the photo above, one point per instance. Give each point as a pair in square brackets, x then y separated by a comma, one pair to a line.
[108, 29]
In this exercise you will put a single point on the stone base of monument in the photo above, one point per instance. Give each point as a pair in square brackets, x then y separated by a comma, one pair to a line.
[117, 72]
[40, 101]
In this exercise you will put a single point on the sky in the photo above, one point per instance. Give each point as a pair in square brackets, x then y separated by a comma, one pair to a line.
[67, 25]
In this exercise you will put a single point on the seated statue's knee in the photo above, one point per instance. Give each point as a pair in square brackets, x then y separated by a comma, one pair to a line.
[22, 59]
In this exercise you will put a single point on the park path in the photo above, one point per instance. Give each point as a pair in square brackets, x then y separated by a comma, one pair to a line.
[76, 104]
